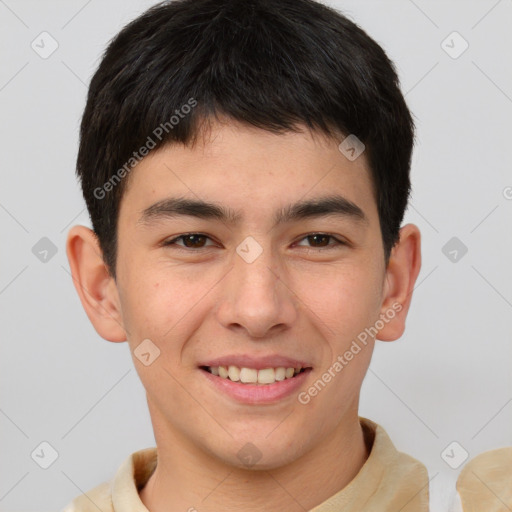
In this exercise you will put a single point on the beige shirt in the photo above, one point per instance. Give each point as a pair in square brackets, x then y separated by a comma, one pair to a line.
[389, 481]
[485, 482]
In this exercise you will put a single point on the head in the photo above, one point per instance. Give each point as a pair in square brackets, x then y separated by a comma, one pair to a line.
[233, 121]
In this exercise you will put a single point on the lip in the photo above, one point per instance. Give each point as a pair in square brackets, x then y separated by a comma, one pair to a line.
[254, 394]
[258, 363]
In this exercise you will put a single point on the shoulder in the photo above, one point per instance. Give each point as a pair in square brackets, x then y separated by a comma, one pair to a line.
[394, 460]
[98, 498]
[485, 482]
[123, 489]
[394, 479]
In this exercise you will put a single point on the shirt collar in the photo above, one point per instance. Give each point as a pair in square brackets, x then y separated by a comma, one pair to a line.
[388, 481]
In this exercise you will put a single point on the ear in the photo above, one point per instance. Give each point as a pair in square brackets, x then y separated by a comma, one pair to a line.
[95, 286]
[401, 274]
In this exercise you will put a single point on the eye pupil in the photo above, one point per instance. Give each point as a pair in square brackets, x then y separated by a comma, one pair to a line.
[194, 240]
[319, 236]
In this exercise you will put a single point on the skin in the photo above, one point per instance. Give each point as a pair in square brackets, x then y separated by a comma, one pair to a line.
[298, 299]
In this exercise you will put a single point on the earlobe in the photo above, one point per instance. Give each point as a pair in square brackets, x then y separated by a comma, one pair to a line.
[401, 274]
[95, 286]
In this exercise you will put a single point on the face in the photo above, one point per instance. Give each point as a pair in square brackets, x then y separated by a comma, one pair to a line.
[250, 282]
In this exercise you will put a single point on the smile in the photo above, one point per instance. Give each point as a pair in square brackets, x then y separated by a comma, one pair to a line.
[245, 375]
[253, 386]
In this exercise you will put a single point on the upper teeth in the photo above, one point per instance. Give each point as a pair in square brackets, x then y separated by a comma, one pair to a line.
[251, 375]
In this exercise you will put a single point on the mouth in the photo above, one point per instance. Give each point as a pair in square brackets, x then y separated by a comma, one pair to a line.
[261, 377]
[261, 386]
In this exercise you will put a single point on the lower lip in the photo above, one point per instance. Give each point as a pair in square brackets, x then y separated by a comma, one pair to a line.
[257, 394]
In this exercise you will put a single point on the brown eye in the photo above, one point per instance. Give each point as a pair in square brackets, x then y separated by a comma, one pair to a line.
[318, 240]
[194, 241]
[189, 241]
[321, 240]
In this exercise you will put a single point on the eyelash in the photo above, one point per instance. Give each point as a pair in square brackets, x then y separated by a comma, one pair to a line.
[172, 242]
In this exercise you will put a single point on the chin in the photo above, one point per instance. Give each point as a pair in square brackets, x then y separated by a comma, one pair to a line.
[260, 454]
[262, 464]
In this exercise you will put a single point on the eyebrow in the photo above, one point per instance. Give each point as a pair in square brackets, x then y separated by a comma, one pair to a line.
[332, 205]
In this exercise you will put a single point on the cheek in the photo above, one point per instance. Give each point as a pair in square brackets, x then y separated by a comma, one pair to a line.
[162, 303]
[345, 299]
[348, 304]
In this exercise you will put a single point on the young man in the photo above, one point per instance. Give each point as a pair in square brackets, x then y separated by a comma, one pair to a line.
[246, 168]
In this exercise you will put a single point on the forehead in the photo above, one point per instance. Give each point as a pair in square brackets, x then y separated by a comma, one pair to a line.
[244, 168]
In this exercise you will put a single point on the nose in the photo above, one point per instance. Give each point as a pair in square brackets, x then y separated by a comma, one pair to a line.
[255, 299]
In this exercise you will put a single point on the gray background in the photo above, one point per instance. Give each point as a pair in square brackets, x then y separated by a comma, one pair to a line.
[448, 378]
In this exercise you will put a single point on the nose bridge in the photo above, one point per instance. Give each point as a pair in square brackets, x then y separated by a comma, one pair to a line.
[256, 300]
[255, 269]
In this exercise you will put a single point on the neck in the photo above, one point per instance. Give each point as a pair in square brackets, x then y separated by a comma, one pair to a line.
[188, 480]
